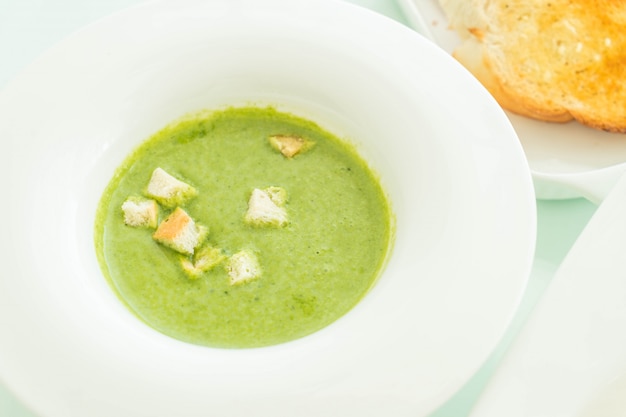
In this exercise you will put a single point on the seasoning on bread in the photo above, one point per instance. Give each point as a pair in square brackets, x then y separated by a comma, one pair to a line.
[552, 60]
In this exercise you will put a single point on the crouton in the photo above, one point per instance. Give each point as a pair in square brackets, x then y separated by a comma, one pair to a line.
[139, 212]
[205, 259]
[243, 267]
[266, 207]
[290, 146]
[168, 190]
[277, 194]
[180, 233]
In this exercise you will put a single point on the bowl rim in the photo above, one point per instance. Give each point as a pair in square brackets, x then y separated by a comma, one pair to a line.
[344, 13]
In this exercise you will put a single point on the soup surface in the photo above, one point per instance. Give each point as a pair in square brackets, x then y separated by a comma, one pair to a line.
[310, 268]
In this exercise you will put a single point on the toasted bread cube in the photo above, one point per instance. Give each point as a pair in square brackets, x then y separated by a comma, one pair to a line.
[290, 146]
[179, 232]
[243, 267]
[168, 190]
[277, 194]
[266, 207]
[189, 268]
[205, 259]
[139, 212]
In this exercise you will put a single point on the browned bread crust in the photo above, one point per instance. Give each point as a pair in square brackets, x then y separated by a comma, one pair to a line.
[552, 60]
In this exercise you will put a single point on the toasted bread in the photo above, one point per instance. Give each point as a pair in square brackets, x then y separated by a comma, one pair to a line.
[204, 259]
[552, 60]
[290, 146]
[242, 267]
[139, 212]
[266, 207]
[168, 190]
[180, 232]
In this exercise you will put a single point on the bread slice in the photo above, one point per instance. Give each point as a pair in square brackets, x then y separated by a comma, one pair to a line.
[552, 60]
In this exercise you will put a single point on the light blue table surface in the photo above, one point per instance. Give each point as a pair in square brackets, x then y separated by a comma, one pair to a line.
[29, 27]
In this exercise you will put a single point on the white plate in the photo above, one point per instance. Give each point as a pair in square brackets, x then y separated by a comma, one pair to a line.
[570, 358]
[566, 160]
[448, 157]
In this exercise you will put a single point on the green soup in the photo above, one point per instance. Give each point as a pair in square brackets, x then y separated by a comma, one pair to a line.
[314, 269]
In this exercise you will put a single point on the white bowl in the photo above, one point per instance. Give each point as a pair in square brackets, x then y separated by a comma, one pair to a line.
[448, 157]
[567, 160]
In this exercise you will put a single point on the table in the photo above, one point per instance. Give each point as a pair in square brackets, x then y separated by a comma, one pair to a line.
[29, 27]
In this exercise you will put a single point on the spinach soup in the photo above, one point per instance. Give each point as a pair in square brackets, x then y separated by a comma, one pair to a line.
[243, 227]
